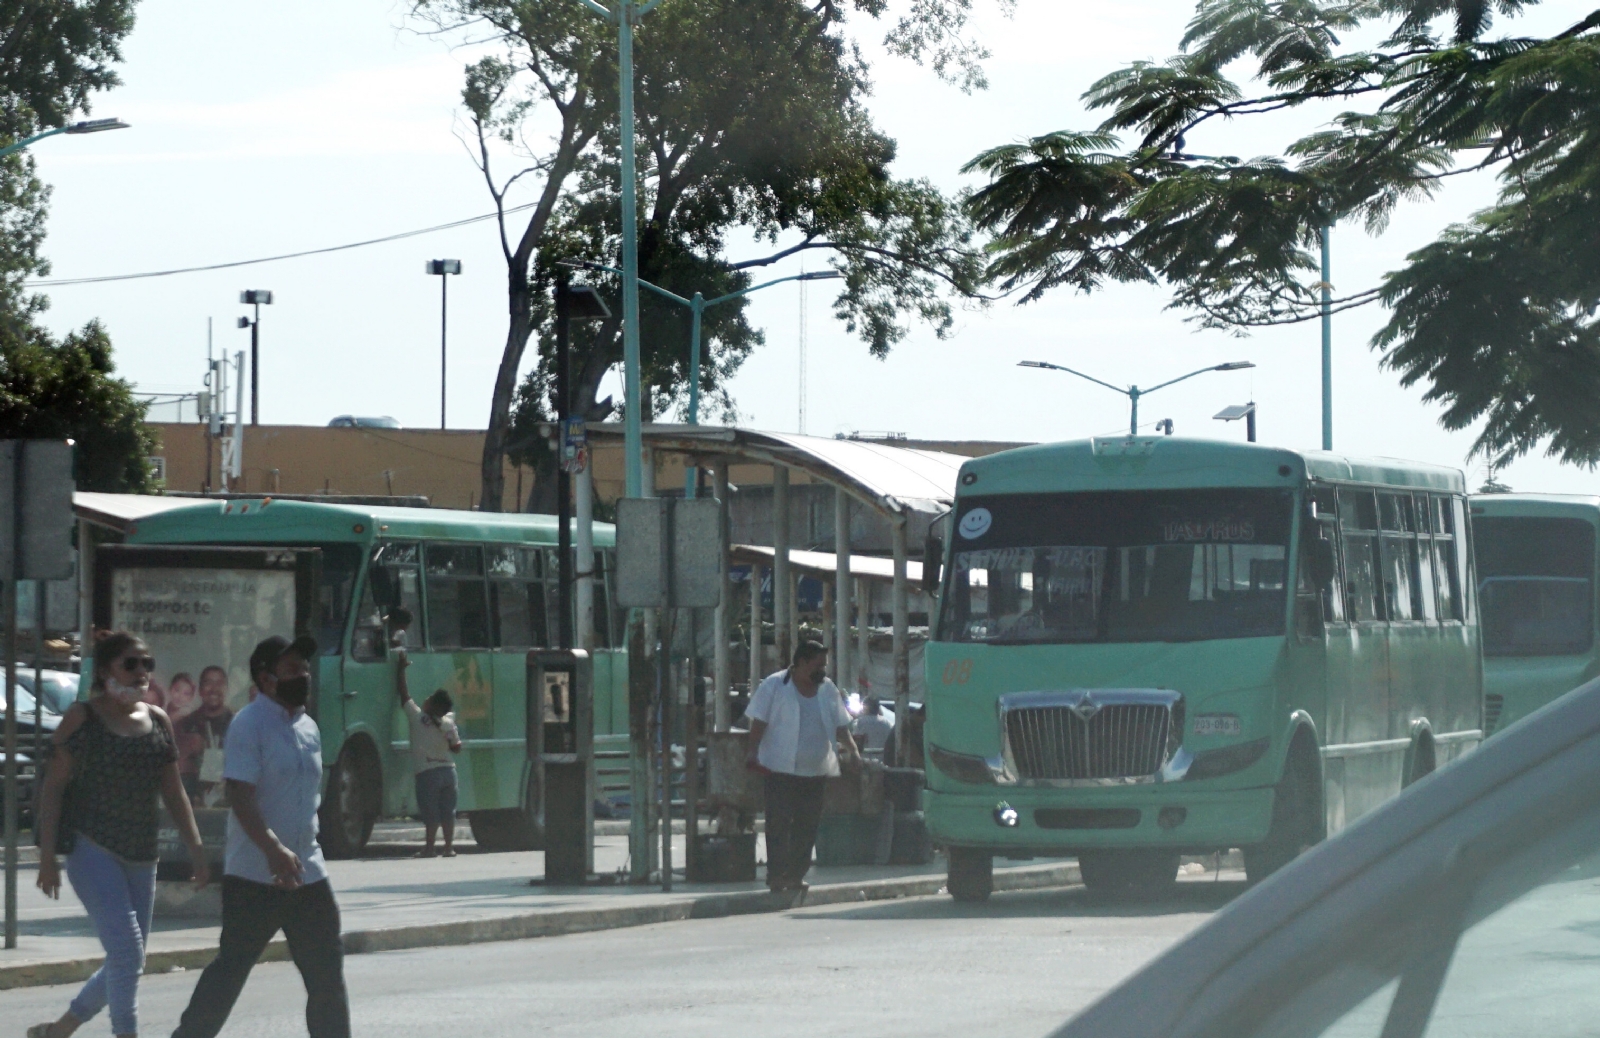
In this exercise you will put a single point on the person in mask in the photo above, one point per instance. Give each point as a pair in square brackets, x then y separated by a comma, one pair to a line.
[114, 756]
[274, 877]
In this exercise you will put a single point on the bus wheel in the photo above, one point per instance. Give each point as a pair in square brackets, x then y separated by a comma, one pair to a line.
[971, 876]
[348, 810]
[1139, 875]
[1296, 820]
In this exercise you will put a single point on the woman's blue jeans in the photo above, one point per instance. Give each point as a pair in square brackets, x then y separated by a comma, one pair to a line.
[119, 898]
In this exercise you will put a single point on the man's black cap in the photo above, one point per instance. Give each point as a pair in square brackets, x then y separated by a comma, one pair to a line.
[272, 649]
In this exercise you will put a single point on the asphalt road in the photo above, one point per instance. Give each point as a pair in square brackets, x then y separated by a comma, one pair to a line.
[1017, 966]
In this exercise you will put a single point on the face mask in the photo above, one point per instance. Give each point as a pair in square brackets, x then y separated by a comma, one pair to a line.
[125, 693]
[292, 692]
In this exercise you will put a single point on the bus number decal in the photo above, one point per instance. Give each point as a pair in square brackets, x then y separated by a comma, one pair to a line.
[957, 672]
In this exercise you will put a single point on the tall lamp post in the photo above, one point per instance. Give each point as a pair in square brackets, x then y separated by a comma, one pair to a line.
[697, 306]
[573, 303]
[1133, 393]
[258, 298]
[1327, 339]
[84, 126]
[442, 268]
[626, 15]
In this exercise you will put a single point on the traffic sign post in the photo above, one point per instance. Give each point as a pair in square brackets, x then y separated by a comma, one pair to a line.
[35, 544]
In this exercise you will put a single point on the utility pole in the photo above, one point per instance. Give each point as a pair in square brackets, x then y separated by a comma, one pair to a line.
[443, 268]
[1327, 339]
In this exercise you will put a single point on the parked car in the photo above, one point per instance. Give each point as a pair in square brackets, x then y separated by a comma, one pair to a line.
[60, 687]
[1468, 905]
[350, 421]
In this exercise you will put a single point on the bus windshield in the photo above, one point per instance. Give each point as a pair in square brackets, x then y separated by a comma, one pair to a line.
[1535, 585]
[1133, 566]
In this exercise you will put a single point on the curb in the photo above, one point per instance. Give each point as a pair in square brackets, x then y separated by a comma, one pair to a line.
[554, 924]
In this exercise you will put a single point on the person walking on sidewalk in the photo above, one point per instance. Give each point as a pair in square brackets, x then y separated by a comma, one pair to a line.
[274, 877]
[434, 741]
[113, 756]
[796, 718]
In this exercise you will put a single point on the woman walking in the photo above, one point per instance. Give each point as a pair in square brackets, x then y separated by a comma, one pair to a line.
[113, 756]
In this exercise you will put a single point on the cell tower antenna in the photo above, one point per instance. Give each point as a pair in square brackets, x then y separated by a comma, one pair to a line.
[802, 353]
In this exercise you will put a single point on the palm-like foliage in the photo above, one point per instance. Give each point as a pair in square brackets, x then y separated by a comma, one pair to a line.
[1497, 316]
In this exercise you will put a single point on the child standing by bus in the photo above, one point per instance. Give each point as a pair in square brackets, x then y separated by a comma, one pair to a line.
[434, 743]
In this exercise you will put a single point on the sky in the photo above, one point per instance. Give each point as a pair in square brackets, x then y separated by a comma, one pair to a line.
[263, 128]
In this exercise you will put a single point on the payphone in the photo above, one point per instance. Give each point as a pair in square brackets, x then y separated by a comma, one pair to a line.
[560, 750]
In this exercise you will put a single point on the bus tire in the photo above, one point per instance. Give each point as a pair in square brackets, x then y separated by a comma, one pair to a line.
[1297, 817]
[971, 875]
[349, 807]
[1139, 875]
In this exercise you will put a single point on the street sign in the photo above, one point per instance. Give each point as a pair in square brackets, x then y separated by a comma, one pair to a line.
[574, 446]
[35, 491]
[668, 553]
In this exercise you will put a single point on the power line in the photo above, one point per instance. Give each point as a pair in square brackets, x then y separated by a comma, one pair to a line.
[61, 282]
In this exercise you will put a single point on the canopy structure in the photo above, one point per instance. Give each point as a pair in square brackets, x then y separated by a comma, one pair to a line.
[121, 512]
[895, 482]
[822, 565]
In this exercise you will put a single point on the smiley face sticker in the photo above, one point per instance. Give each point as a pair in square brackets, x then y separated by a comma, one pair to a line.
[975, 524]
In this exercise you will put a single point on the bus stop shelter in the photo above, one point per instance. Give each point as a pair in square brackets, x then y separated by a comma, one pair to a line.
[896, 483]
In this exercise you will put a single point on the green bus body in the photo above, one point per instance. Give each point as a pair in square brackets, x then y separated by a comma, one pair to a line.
[364, 732]
[1373, 676]
[1536, 557]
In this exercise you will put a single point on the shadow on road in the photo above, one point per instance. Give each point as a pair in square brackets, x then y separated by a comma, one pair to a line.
[1186, 898]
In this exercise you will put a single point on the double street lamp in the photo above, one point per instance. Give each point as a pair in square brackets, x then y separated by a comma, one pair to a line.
[1133, 393]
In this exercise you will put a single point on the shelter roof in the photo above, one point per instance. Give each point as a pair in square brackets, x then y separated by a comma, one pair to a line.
[820, 564]
[890, 479]
[120, 511]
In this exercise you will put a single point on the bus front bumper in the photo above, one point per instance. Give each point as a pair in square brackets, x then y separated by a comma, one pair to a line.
[1057, 820]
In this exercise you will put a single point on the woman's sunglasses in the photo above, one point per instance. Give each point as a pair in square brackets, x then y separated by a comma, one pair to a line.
[148, 663]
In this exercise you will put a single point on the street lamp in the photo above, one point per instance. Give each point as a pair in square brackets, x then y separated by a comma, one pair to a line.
[698, 305]
[1237, 411]
[84, 126]
[442, 268]
[258, 298]
[1133, 393]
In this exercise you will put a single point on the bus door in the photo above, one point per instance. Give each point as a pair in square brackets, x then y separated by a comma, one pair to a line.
[522, 604]
[1357, 758]
[460, 660]
[393, 582]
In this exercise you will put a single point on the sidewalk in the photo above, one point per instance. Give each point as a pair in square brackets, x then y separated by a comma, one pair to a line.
[390, 901]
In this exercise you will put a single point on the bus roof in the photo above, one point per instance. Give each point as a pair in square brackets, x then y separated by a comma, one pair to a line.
[1545, 506]
[268, 521]
[1169, 462]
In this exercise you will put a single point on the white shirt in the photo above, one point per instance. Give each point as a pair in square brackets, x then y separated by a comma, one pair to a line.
[777, 702]
[875, 730]
[431, 740]
[279, 753]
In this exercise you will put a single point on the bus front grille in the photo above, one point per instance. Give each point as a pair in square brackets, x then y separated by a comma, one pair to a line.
[1089, 736]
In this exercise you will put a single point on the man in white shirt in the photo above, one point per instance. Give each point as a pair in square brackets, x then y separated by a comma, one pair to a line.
[274, 877]
[796, 718]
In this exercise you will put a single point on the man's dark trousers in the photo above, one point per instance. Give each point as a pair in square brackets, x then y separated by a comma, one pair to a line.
[794, 810]
[252, 914]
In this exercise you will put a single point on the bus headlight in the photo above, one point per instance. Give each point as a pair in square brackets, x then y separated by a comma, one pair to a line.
[1227, 759]
[963, 767]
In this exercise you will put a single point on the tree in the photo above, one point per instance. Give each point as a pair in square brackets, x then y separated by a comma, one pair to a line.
[1497, 316]
[54, 55]
[750, 116]
[67, 390]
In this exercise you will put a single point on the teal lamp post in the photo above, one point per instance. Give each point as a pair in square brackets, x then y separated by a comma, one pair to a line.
[698, 305]
[85, 126]
[626, 15]
[1133, 393]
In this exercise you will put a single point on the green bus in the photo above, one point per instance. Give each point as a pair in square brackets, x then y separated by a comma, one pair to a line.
[202, 583]
[1155, 647]
[1535, 556]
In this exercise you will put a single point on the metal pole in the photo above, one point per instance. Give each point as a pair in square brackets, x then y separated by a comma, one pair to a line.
[1250, 424]
[841, 587]
[863, 631]
[902, 640]
[697, 307]
[40, 616]
[9, 593]
[563, 477]
[782, 603]
[632, 429]
[1133, 420]
[255, 368]
[584, 568]
[664, 694]
[444, 292]
[721, 672]
[755, 628]
[1327, 340]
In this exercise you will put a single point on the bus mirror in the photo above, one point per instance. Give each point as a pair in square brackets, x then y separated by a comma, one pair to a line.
[1319, 556]
[932, 561]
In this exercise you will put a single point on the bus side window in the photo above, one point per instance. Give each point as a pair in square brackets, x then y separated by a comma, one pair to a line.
[516, 597]
[1322, 524]
[1358, 519]
[1423, 589]
[1397, 546]
[393, 579]
[458, 598]
[1446, 558]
